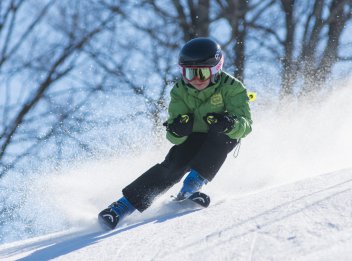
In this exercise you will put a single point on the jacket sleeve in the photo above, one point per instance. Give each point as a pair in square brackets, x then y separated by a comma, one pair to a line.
[237, 104]
[177, 106]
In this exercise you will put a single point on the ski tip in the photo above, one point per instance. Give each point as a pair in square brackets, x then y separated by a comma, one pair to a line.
[107, 221]
[201, 199]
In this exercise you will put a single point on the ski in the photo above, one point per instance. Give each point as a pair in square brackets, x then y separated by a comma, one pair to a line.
[107, 219]
[199, 198]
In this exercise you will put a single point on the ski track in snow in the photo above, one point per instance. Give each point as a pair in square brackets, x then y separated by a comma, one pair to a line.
[306, 220]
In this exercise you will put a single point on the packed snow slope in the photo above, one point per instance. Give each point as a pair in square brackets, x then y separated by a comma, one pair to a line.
[286, 196]
[306, 220]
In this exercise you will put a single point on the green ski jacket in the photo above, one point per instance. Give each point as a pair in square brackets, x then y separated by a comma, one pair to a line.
[227, 95]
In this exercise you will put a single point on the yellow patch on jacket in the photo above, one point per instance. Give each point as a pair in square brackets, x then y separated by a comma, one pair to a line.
[216, 99]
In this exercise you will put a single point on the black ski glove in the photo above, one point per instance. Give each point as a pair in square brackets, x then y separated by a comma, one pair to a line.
[181, 126]
[220, 123]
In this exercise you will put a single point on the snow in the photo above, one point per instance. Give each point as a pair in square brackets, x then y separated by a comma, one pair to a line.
[288, 196]
[307, 220]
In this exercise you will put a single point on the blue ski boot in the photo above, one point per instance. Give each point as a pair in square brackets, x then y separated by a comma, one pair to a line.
[110, 217]
[192, 184]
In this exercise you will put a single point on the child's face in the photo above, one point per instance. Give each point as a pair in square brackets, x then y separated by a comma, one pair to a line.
[198, 84]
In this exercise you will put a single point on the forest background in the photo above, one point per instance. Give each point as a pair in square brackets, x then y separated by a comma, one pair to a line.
[90, 79]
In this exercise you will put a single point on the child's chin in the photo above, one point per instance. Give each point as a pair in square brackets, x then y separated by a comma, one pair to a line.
[200, 87]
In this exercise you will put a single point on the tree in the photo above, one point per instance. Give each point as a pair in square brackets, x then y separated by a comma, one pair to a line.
[59, 61]
[310, 45]
[40, 66]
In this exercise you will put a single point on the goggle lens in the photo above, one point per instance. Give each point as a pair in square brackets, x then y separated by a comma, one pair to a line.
[202, 74]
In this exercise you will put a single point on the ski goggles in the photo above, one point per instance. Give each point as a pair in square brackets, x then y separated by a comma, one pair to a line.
[202, 73]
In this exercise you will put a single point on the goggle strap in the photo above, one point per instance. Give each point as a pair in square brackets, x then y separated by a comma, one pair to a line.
[180, 68]
[217, 67]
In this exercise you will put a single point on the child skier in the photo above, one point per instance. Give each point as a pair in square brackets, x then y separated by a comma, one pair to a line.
[208, 114]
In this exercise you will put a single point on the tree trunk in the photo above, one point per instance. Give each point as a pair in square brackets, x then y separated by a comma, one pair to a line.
[288, 75]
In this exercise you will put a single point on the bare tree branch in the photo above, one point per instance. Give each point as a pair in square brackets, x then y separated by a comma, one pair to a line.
[6, 54]
[52, 76]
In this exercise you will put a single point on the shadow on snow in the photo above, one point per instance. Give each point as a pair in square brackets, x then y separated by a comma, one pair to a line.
[62, 245]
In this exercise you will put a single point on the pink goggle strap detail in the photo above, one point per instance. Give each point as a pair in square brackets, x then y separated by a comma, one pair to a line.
[217, 67]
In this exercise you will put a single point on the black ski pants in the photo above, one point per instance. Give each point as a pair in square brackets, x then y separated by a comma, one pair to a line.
[203, 152]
